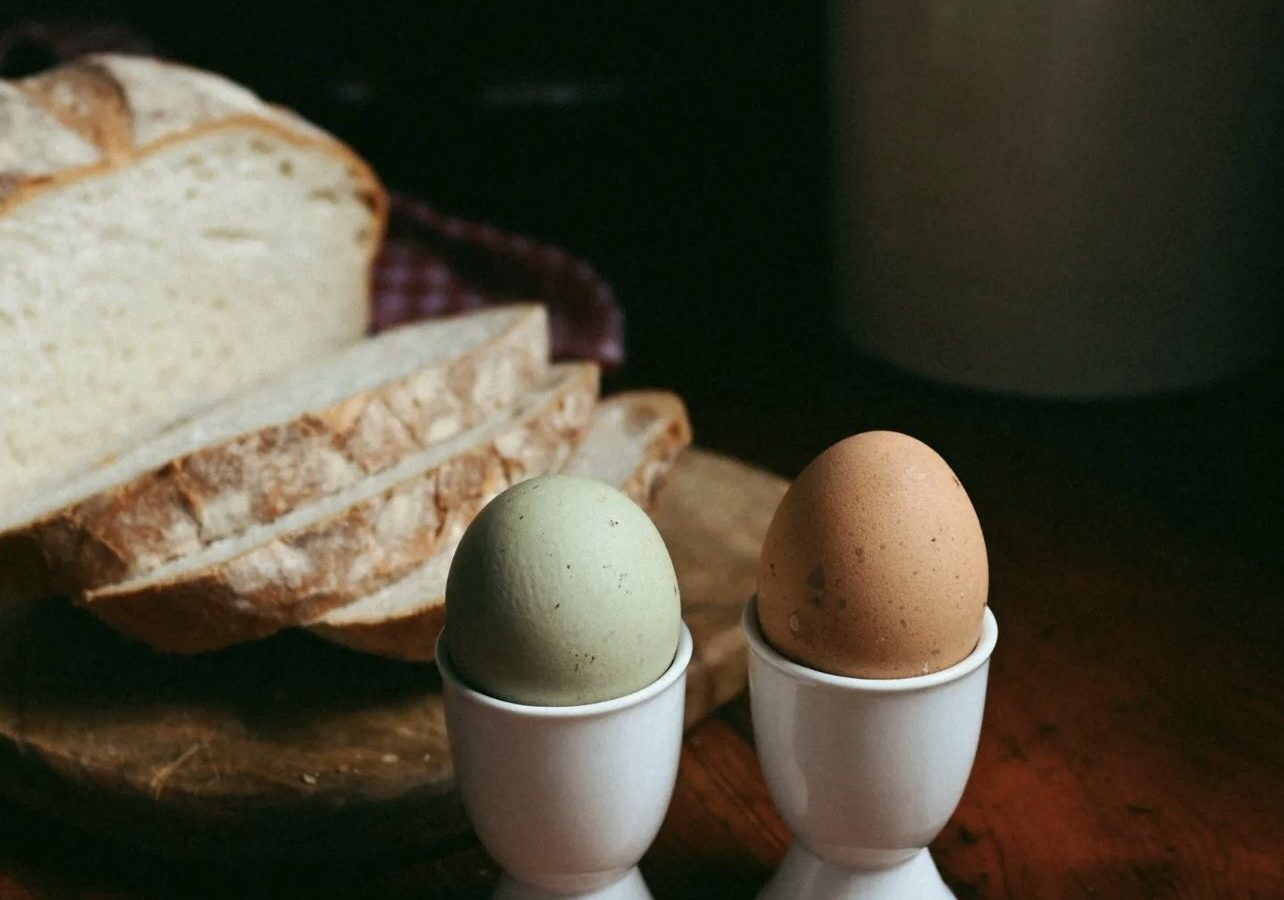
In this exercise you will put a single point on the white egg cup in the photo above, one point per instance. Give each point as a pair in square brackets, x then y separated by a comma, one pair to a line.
[865, 772]
[567, 798]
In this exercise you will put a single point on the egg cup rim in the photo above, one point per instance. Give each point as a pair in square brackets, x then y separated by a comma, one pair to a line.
[676, 669]
[759, 646]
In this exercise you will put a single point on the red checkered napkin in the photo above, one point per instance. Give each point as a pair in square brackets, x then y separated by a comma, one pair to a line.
[433, 264]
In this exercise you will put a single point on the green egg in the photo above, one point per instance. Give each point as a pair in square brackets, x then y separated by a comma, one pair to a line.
[562, 592]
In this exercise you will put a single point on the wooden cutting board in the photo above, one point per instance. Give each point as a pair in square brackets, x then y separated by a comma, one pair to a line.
[292, 747]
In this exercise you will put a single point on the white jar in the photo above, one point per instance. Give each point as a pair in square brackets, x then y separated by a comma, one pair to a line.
[1060, 198]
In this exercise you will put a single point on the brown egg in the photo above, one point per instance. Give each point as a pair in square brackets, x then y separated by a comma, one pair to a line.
[874, 565]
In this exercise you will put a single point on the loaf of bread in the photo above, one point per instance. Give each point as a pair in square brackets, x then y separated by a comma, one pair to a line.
[196, 440]
[165, 238]
[346, 545]
[316, 429]
[632, 443]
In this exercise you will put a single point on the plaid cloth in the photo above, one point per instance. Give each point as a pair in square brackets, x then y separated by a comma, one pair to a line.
[431, 263]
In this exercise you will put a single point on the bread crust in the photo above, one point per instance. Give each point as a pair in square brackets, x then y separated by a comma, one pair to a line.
[223, 488]
[648, 479]
[413, 637]
[93, 103]
[298, 576]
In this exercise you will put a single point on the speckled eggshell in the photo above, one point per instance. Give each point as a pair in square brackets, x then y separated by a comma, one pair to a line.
[874, 565]
[561, 592]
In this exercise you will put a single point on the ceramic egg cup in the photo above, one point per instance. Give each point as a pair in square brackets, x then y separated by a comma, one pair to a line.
[567, 798]
[865, 772]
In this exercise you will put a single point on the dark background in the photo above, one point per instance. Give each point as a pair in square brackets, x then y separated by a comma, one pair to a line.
[682, 149]
[679, 147]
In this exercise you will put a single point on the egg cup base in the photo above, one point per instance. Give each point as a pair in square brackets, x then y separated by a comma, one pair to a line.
[805, 876]
[628, 886]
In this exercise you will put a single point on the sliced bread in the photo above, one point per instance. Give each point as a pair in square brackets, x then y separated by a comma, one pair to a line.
[340, 548]
[632, 443]
[300, 436]
[166, 238]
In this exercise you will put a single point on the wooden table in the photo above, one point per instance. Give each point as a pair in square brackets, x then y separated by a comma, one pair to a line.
[1132, 743]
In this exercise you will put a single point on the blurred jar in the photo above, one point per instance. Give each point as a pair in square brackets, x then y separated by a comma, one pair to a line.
[1071, 198]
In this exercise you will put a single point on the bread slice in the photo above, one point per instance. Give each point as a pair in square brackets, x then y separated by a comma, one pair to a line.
[633, 442]
[166, 238]
[340, 548]
[311, 432]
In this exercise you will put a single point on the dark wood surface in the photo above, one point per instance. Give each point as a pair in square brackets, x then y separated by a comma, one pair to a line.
[295, 748]
[1131, 746]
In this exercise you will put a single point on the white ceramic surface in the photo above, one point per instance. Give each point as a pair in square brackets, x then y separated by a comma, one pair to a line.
[865, 772]
[630, 887]
[568, 798]
[804, 876]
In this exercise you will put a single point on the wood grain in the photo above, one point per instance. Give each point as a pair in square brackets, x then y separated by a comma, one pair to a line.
[1131, 746]
[292, 747]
